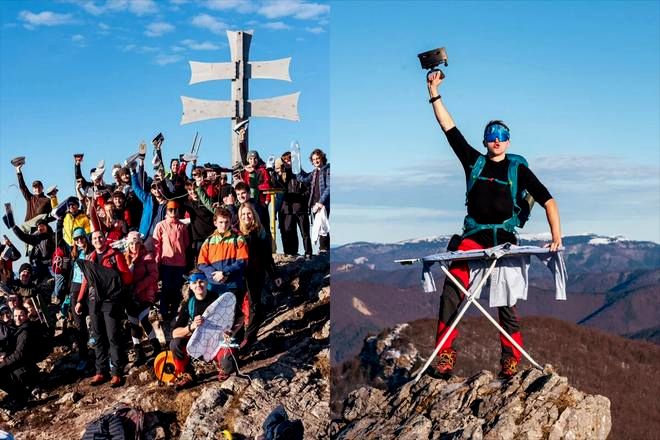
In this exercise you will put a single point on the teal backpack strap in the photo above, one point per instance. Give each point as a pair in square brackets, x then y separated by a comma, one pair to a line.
[191, 307]
[477, 168]
[515, 160]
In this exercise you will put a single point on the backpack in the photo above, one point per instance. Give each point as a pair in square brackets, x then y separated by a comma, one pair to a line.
[522, 201]
[120, 423]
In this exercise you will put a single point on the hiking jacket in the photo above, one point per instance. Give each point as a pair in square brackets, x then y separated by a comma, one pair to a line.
[25, 341]
[294, 200]
[43, 246]
[36, 204]
[70, 223]
[171, 241]
[259, 181]
[145, 276]
[260, 255]
[147, 201]
[111, 259]
[201, 220]
[320, 176]
[228, 253]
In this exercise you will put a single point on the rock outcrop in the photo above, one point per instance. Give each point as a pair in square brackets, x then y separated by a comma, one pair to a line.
[288, 365]
[532, 405]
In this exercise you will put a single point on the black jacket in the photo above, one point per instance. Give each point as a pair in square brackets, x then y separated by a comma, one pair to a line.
[23, 348]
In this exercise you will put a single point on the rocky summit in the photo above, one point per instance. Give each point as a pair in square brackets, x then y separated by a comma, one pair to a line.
[289, 366]
[533, 404]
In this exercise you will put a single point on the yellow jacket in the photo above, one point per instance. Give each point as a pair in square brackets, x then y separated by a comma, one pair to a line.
[70, 223]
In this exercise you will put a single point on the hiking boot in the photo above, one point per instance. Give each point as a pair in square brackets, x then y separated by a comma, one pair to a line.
[183, 381]
[446, 361]
[99, 379]
[222, 376]
[509, 367]
[116, 381]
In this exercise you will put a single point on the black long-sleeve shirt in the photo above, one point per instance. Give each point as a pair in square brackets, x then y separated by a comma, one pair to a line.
[490, 202]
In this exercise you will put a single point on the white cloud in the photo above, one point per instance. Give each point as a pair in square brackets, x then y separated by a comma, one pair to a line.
[142, 7]
[104, 27]
[210, 23]
[194, 45]
[315, 30]
[293, 8]
[164, 59]
[177, 48]
[139, 49]
[241, 6]
[158, 28]
[277, 26]
[46, 18]
[178, 2]
[79, 40]
[137, 7]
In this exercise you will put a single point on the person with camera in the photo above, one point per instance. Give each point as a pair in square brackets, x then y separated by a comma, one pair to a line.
[491, 211]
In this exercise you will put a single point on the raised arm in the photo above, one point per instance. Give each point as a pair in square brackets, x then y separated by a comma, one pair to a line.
[21, 184]
[445, 120]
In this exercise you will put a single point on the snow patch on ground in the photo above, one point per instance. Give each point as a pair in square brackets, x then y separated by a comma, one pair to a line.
[361, 307]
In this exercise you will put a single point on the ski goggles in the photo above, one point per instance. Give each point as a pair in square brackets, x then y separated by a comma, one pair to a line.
[196, 277]
[496, 131]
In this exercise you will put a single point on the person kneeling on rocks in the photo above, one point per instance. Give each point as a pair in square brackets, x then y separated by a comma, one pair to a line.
[189, 319]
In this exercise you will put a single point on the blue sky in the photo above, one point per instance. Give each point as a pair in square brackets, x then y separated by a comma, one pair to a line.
[101, 76]
[577, 82]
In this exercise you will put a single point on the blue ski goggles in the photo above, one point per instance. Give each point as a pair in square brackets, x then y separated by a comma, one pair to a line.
[496, 131]
[196, 277]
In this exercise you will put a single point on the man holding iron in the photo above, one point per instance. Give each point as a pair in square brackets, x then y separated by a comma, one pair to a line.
[495, 207]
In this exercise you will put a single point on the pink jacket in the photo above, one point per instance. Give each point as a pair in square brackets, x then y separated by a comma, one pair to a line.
[171, 241]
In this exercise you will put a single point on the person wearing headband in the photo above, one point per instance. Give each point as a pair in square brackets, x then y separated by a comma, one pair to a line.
[189, 318]
[496, 185]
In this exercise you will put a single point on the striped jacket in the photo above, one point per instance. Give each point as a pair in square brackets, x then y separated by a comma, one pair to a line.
[225, 252]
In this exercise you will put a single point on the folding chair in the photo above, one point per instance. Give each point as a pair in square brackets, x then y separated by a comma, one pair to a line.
[494, 255]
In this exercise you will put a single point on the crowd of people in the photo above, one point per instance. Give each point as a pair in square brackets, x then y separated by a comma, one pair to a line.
[147, 248]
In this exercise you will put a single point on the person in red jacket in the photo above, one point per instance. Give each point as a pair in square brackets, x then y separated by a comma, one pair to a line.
[256, 177]
[145, 275]
[105, 273]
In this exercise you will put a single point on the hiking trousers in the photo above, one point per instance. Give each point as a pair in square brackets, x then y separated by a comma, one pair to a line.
[253, 317]
[106, 320]
[452, 298]
[290, 223]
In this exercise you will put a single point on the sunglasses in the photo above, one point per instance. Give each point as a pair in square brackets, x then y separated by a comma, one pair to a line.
[496, 132]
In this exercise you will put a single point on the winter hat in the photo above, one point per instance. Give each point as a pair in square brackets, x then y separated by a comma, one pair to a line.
[252, 153]
[79, 232]
[133, 237]
[25, 266]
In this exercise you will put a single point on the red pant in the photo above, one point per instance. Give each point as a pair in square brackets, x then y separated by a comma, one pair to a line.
[451, 300]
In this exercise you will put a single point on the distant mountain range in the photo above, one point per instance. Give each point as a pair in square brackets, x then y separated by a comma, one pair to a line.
[613, 285]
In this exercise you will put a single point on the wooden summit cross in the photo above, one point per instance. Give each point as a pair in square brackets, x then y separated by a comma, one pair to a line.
[239, 70]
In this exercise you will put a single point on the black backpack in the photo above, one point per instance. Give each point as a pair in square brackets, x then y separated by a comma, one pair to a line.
[120, 423]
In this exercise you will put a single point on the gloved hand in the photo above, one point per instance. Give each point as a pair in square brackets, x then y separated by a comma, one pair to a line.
[66, 305]
[8, 220]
